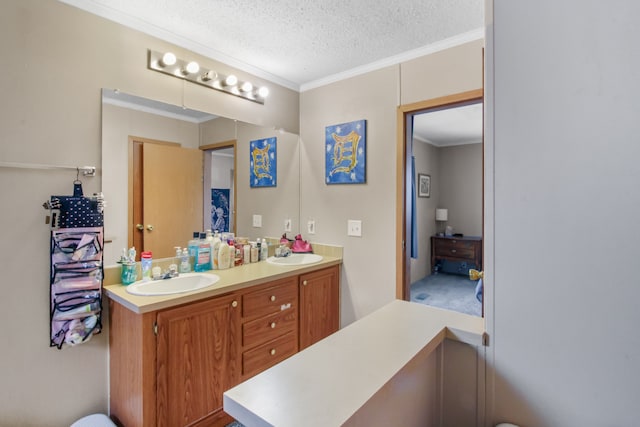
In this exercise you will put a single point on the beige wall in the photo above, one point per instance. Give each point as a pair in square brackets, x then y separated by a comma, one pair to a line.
[461, 187]
[427, 162]
[456, 184]
[55, 61]
[375, 97]
[118, 124]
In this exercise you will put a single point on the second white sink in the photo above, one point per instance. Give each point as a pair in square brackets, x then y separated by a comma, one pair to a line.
[295, 259]
[186, 282]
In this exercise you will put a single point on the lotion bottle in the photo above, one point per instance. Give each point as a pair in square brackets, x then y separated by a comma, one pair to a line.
[264, 250]
[223, 256]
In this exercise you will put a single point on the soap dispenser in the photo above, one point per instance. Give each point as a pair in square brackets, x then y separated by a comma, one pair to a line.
[185, 263]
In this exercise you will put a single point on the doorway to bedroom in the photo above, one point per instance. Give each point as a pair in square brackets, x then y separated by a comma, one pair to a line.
[443, 196]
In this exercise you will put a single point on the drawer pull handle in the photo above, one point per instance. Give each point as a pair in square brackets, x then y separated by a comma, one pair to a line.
[304, 282]
[234, 304]
[273, 325]
[273, 298]
[273, 352]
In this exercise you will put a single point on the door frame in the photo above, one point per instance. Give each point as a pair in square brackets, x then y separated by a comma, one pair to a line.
[232, 143]
[403, 176]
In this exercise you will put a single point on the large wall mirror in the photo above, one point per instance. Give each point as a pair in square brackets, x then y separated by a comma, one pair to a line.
[168, 171]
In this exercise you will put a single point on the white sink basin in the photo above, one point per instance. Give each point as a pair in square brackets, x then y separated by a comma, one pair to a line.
[186, 282]
[295, 259]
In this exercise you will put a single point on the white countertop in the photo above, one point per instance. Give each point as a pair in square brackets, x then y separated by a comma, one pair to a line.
[230, 280]
[325, 384]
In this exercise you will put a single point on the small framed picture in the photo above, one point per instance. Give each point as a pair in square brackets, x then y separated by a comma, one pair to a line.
[424, 185]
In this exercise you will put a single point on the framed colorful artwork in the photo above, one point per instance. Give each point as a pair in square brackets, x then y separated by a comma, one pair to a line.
[345, 153]
[263, 171]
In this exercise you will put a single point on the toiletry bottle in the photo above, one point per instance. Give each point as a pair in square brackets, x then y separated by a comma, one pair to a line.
[203, 255]
[193, 244]
[214, 249]
[146, 259]
[185, 264]
[232, 253]
[223, 256]
[264, 250]
[209, 240]
[246, 254]
[255, 252]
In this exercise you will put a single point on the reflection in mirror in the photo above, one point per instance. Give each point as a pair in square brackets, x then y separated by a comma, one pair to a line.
[223, 145]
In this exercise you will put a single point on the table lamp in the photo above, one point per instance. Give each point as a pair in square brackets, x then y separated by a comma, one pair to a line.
[441, 220]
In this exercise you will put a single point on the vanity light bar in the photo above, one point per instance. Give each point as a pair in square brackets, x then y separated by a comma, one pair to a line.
[168, 63]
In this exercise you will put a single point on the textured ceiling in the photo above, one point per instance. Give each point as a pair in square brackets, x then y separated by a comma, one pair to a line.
[297, 43]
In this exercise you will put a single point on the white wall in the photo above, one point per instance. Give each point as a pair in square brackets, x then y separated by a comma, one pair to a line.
[563, 89]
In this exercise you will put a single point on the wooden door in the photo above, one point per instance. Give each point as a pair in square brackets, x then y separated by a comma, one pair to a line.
[198, 359]
[319, 305]
[170, 193]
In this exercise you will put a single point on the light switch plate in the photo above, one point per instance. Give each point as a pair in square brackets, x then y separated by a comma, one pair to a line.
[311, 227]
[257, 221]
[287, 224]
[354, 228]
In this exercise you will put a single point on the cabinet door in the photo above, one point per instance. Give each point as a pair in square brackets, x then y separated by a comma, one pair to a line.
[197, 361]
[319, 305]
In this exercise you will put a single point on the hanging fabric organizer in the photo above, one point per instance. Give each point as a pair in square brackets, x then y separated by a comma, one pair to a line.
[77, 239]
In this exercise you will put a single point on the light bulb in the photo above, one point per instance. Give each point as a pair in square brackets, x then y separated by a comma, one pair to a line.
[168, 59]
[263, 92]
[192, 67]
[209, 75]
[246, 87]
[231, 80]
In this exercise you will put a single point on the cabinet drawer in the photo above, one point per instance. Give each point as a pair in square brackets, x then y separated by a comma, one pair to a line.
[267, 355]
[272, 299]
[264, 329]
[455, 248]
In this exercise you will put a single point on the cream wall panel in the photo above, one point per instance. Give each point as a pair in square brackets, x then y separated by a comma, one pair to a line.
[443, 73]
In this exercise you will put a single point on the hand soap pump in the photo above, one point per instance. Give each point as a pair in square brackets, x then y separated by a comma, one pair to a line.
[185, 263]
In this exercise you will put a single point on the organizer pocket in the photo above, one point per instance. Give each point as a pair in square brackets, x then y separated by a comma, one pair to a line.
[76, 305]
[90, 272]
[80, 245]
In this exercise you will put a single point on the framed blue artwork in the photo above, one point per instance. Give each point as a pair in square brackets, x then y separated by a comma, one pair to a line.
[263, 163]
[345, 153]
[220, 209]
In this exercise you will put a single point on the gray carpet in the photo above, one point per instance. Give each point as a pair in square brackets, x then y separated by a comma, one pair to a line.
[451, 291]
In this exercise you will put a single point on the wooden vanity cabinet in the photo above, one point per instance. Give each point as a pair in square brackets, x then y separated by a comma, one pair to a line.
[269, 325]
[198, 351]
[171, 367]
[177, 377]
[319, 305]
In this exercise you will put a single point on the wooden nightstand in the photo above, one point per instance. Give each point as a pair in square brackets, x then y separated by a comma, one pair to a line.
[468, 248]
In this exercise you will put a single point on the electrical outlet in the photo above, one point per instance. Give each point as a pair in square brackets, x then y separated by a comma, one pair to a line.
[257, 221]
[311, 227]
[354, 228]
[287, 224]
